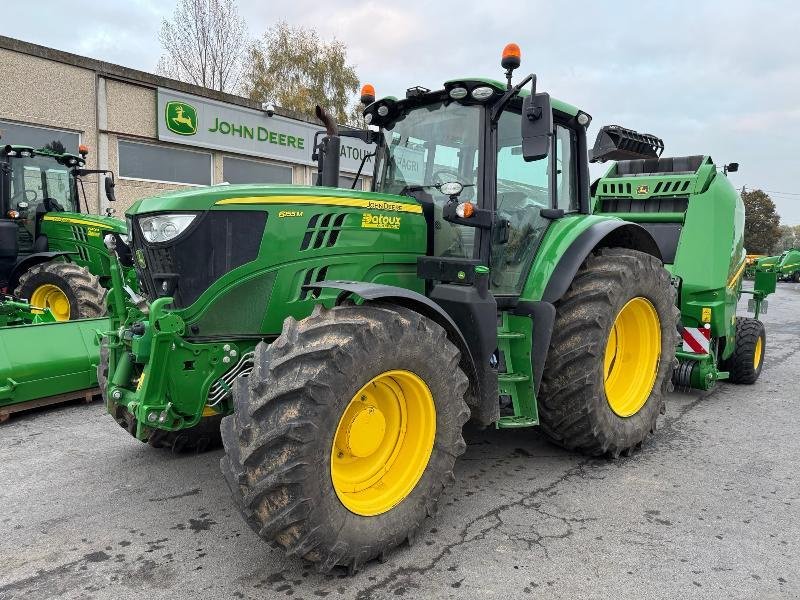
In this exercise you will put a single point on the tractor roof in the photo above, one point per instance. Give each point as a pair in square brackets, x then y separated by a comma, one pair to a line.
[470, 83]
[63, 158]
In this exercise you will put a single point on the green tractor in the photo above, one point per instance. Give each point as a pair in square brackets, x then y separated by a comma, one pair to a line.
[786, 265]
[343, 338]
[52, 253]
[675, 199]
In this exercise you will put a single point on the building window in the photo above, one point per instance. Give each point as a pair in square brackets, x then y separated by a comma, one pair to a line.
[237, 170]
[17, 134]
[346, 181]
[163, 163]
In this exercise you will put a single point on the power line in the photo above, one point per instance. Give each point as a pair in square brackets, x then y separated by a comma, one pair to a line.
[780, 193]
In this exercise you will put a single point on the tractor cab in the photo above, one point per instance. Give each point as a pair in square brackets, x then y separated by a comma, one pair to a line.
[493, 165]
[45, 225]
[36, 182]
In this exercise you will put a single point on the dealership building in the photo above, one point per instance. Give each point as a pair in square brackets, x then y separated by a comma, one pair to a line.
[156, 134]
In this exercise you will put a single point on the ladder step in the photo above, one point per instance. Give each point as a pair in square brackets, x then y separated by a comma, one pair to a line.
[516, 422]
[509, 335]
[512, 377]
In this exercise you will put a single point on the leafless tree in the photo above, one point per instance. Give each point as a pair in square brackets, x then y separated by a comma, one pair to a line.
[204, 44]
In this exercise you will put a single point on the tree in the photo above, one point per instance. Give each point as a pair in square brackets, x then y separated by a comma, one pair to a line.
[761, 222]
[294, 69]
[790, 237]
[204, 44]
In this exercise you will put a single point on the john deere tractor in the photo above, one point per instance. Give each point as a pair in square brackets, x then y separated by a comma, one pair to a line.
[343, 338]
[786, 265]
[51, 249]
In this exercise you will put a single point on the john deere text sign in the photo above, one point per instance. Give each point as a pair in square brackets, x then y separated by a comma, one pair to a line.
[187, 119]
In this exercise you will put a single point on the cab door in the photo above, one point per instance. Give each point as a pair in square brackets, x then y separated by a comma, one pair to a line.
[524, 190]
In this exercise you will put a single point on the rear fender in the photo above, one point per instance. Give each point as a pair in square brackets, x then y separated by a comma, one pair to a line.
[31, 261]
[602, 234]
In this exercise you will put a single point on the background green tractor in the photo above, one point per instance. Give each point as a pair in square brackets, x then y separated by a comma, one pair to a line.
[347, 336]
[51, 249]
[786, 265]
[697, 218]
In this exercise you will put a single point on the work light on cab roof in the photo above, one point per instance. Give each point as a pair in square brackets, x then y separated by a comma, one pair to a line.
[512, 57]
[367, 94]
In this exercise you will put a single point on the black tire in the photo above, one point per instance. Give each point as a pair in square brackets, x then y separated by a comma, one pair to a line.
[795, 277]
[87, 298]
[573, 410]
[741, 364]
[278, 441]
[203, 436]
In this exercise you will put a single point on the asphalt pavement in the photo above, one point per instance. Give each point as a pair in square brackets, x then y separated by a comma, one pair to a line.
[709, 508]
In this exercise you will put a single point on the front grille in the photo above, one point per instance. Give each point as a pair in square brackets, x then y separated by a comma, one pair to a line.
[650, 205]
[214, 244]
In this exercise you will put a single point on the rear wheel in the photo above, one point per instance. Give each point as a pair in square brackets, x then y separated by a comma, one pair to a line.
[346, 432]
[68, 290]
[611, 354]
[747, 359]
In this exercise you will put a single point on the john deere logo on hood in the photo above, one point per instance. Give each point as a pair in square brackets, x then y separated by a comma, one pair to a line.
[181, 118]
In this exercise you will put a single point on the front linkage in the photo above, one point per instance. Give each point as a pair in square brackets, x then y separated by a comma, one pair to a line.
[157, 400]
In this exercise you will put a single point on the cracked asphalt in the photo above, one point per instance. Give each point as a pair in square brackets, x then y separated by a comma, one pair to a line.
[708, 509]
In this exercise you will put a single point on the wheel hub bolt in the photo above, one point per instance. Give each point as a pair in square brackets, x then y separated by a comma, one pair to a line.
[116, 394]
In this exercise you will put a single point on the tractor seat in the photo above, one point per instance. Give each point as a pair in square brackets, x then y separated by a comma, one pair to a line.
[658, 166]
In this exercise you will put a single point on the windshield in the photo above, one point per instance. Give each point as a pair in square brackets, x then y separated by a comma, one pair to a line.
[431, 145]
[34, 179]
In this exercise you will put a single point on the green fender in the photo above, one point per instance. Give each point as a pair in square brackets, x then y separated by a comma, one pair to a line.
[565, 246]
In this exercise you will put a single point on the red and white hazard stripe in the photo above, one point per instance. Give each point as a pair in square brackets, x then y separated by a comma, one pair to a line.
[697, 339]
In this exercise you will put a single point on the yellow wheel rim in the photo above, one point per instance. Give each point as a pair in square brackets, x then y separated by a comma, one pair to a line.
[758, 353]
[631, 360]
[383, 442]
[52, 297]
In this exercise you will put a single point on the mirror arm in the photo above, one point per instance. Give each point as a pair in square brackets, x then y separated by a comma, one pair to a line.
[501, 104]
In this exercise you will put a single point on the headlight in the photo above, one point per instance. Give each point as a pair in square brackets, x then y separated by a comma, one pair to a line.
[162, 228]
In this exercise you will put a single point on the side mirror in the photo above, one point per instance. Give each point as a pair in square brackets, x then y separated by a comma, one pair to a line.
[537, 126]
[110, 184]
[731, 167]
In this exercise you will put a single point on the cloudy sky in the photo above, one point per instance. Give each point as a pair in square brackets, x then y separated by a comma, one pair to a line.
[718, 78]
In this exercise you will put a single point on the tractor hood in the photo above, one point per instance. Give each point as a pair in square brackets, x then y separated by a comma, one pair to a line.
[200, 199]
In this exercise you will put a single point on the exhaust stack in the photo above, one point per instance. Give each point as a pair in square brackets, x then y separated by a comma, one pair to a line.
[327, 151]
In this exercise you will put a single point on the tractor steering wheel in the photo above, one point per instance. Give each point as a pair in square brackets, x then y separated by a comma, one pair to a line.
[443, 176]
[35, 196]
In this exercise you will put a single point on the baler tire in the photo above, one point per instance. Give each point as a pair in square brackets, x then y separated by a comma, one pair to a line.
[795, 278]
[87, 298]
[203, 436]
[279, 441]
[741, 364]
[574, 411]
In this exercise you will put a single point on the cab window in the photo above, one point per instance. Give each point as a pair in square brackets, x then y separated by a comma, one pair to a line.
[523, 190]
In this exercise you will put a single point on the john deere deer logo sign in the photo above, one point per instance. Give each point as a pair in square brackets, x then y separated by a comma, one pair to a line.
[181, 118]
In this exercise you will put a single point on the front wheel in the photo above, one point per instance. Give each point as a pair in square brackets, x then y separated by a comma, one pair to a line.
[611, 354]
[346, 432]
